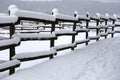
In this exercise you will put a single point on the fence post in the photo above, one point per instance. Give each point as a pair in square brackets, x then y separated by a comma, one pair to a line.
[73, 36]
[87, 24]
[12, 48]
[105, 28]
[113, 28]
[52, 40]
[97, 32]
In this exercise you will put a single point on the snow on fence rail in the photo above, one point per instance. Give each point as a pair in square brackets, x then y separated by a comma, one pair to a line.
[9, 43]
[16, 16]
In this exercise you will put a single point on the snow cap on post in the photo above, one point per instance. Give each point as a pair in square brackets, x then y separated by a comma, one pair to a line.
[98, 14]
[106, 14]
[12, 8]
[115, 16]
[76, 13]
[54, 11]
[87, 14]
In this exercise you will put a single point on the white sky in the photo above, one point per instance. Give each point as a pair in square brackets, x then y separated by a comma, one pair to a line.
[106, 1]
[40, 0]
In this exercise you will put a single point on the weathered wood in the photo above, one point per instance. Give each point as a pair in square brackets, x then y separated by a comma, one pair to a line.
[50, 56]
[87, 25]
[82, 41]
[73, 36]
[52, 41]
[64, 20]
[8, 46]
[12, 53]
[12, 30]
[11, 69]
[112, 35]
[64, 48]
[33, 19]
[98, 30]
[105, 29]
[12, 48]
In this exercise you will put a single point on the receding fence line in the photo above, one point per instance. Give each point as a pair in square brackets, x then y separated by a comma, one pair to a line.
[53, 20]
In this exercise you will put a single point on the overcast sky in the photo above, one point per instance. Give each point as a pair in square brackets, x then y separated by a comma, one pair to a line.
[106, 1]
[109, 1]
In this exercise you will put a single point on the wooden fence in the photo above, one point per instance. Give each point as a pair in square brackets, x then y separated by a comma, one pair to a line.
[101, 27]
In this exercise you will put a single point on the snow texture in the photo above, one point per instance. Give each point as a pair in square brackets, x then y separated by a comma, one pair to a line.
[111, 16]
[12, 41]
[27, 31]
[111, 32]
[95, 17]
[103, 34]
[34, 36]
[14, 10]
[62, 16]
[104, 17]
[5, 18]
[97, 61]
[64, 46]
[94, 37]
[111, 25]
[33, 54]
[82, 41]
[98, 14]
[64, 32]
[103, 26]
[82, 29]
[94, 27]
[81, 16]
[9, 64]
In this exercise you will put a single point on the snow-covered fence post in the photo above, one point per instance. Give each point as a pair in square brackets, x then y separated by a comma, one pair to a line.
[106, 24]
[82, 19]
[71, 21]
[95, 27]
[117, 25]
[73, 36]
[87, 25]
[113, 24]
[112, 35]
[104, 19]
[12, 48]
[52, 41]
[98, 30]
[9, 43]
[12, 31]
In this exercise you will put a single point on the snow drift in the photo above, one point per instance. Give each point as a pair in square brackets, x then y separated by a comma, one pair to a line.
[97, 61]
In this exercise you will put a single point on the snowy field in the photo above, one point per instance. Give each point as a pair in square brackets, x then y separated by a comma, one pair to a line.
[97, 61]
[103, 64]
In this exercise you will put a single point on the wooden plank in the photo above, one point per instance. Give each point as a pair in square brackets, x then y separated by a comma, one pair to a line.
[50, 56]
[87, 25]
[73, 36]
[33, 19]
[52, 41]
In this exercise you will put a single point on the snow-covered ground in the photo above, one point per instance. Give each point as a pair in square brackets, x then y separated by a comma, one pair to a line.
[97, 61]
